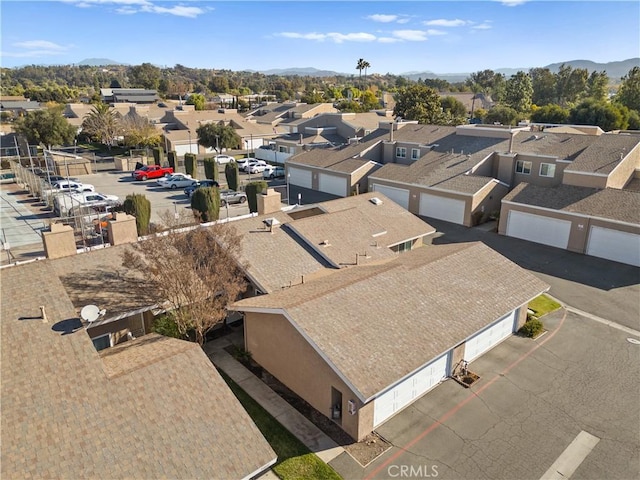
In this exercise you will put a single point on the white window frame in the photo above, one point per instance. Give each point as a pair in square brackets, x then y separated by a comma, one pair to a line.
[102, 336]
[522, 164]
[401, 152]
[404, 246]
[415, 153]
[551, 167]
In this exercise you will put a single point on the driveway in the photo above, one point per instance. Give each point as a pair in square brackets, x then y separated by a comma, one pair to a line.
[601, 287]
[532, 400]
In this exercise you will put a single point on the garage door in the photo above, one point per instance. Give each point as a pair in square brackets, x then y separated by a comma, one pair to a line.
[332, 184]
[536, 228]
[398, 195]
[391, 402]
[490, 337]
[442, 208]
[623, 247]
[300, 177]
[182, 149]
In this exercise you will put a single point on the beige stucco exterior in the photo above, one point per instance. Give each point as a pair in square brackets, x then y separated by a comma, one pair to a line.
[59, 241]
[487, 201]
[280, 349]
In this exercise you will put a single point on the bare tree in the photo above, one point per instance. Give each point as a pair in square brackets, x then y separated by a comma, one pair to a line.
[194, 274]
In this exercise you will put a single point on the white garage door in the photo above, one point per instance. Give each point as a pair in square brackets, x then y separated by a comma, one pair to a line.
[300, 177]
[398, 195]
[332, 184]
[442, 208]
[536, 228]
[389, 403]
[182, 149]
[490, 337]
[623, 247]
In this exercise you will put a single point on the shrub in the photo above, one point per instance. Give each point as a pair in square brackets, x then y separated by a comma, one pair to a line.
[166, 325]
[531, 328]
[190, 164]
[171, 157]
[211, 169]
[158, 156]
[240, 354]
[205, 203]
[140, 207]
[232, 174]
[252, 190]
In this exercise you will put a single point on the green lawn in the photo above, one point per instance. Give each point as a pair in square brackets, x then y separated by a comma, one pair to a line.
[542, 305]
[295, 460]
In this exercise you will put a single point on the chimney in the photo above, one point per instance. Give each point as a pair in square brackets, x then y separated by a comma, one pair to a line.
[391, 132]
[269, 202]
[513, 134]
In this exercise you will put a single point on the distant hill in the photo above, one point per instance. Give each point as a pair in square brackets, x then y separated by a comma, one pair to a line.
[615, 70]
[98, 62]
[305, 71]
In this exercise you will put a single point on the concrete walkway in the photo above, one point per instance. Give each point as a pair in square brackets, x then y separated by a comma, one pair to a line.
[316, 440]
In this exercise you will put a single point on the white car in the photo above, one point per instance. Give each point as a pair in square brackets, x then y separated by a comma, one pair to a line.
[71, 186]
[258, 167]
[223, 159]
[177, 180]
[243, 163]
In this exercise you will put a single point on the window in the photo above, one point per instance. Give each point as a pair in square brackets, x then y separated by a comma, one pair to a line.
[547, 170]
[283, 149]
[404, 247]
[401, 152]
[101, 342]
[415, 153]
[523, 167]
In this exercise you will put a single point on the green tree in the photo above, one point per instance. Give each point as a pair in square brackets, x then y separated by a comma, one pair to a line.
[550, 114]
[45, 127]
[312, 97]
[190, 164]
[232, 174]
[503, 115]
[629, 91]
[544, 86]
[219, 84]
[205, 203]
[369, 101]
[252, 190]
[102, 125]
[455, 109]
[197, 100]
[140, 207]
[218, 136]
[608, 116]
[485, 81]
[420, 103]
[167, 326]
[634, 120]
[145, 76]
[518, 92]
[350, 106]
[211, 169]
[361, 66]
[597, 85]
[570, 84]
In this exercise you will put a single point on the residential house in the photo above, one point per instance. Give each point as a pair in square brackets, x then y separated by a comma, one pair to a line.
[18, 106]
[154, 407]
[128, 95]
[288, 116]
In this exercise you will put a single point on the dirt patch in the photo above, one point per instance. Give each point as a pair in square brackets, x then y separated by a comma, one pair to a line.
[363, 452]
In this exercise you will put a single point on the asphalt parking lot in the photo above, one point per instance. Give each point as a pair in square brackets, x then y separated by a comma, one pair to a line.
[532, 400]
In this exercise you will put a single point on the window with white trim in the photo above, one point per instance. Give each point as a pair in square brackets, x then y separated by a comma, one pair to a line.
[403, 247]
[547, 169]
[523, 167]
[415, 153]
[401, 152]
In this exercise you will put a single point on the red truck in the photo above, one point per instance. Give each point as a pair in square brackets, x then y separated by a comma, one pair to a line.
[151, 171]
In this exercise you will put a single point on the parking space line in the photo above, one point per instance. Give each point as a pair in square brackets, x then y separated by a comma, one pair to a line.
[569, 461]
[456, 408]
[604, 321]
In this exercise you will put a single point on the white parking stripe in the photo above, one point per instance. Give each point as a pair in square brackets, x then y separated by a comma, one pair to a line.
[572, 457]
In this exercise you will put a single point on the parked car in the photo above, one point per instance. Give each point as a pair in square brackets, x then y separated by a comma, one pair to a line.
[177, 180]
[151, 171]
[56, 178]
[71, 186]
[272, 172]
[257, 167]
[199, 184]
[229, 197]
[66, 203]
[244, 162]
[223, 159]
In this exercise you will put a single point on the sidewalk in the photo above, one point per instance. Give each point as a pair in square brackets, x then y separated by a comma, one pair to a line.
[316, 440]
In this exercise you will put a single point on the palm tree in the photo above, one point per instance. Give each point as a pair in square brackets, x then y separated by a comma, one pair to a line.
[102, 125]
[360, 66]
[365, 65]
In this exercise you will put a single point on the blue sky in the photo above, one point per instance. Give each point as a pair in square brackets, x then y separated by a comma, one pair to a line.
[393, 36]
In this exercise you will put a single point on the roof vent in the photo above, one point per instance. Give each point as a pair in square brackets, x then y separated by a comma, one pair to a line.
[376, 201]
[271, 222]
[325, 243]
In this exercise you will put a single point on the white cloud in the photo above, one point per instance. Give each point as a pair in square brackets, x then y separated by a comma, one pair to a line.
[432, 32]
[35, 49]
[512, 3]
[177, 10]
[129, 7]
[443, 22]
[410, 35]
[388, 40]
[304, 36]
[40, 45]
[482, 26]
[331, 36]
[379, 17]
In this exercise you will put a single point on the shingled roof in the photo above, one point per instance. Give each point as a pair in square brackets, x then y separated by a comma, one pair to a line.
[152, 408]
[442, 294]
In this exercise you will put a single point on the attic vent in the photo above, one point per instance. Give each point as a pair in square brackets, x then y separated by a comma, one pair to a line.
[376, 201]
[271, 222]
[325, 243]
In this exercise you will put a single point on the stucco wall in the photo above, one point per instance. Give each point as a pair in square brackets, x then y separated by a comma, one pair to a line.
[488, 200]
[278, 347]
[620, 175]
[584, 180]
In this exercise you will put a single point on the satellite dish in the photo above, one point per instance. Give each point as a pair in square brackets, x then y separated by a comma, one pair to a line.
[90, 313]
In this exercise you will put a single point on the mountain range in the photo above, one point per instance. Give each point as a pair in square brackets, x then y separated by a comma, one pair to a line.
[615, 70]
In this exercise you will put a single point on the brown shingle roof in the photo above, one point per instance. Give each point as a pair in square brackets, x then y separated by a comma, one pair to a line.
[378, 323]
[151, 410]
[621, 205]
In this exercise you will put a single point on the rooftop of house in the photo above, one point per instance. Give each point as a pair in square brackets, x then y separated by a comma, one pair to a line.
[154, 407]
[621, 205]
[443, 294]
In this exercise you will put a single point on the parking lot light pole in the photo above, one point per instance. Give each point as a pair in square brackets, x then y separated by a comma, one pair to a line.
[288, 178]
[190, 151]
